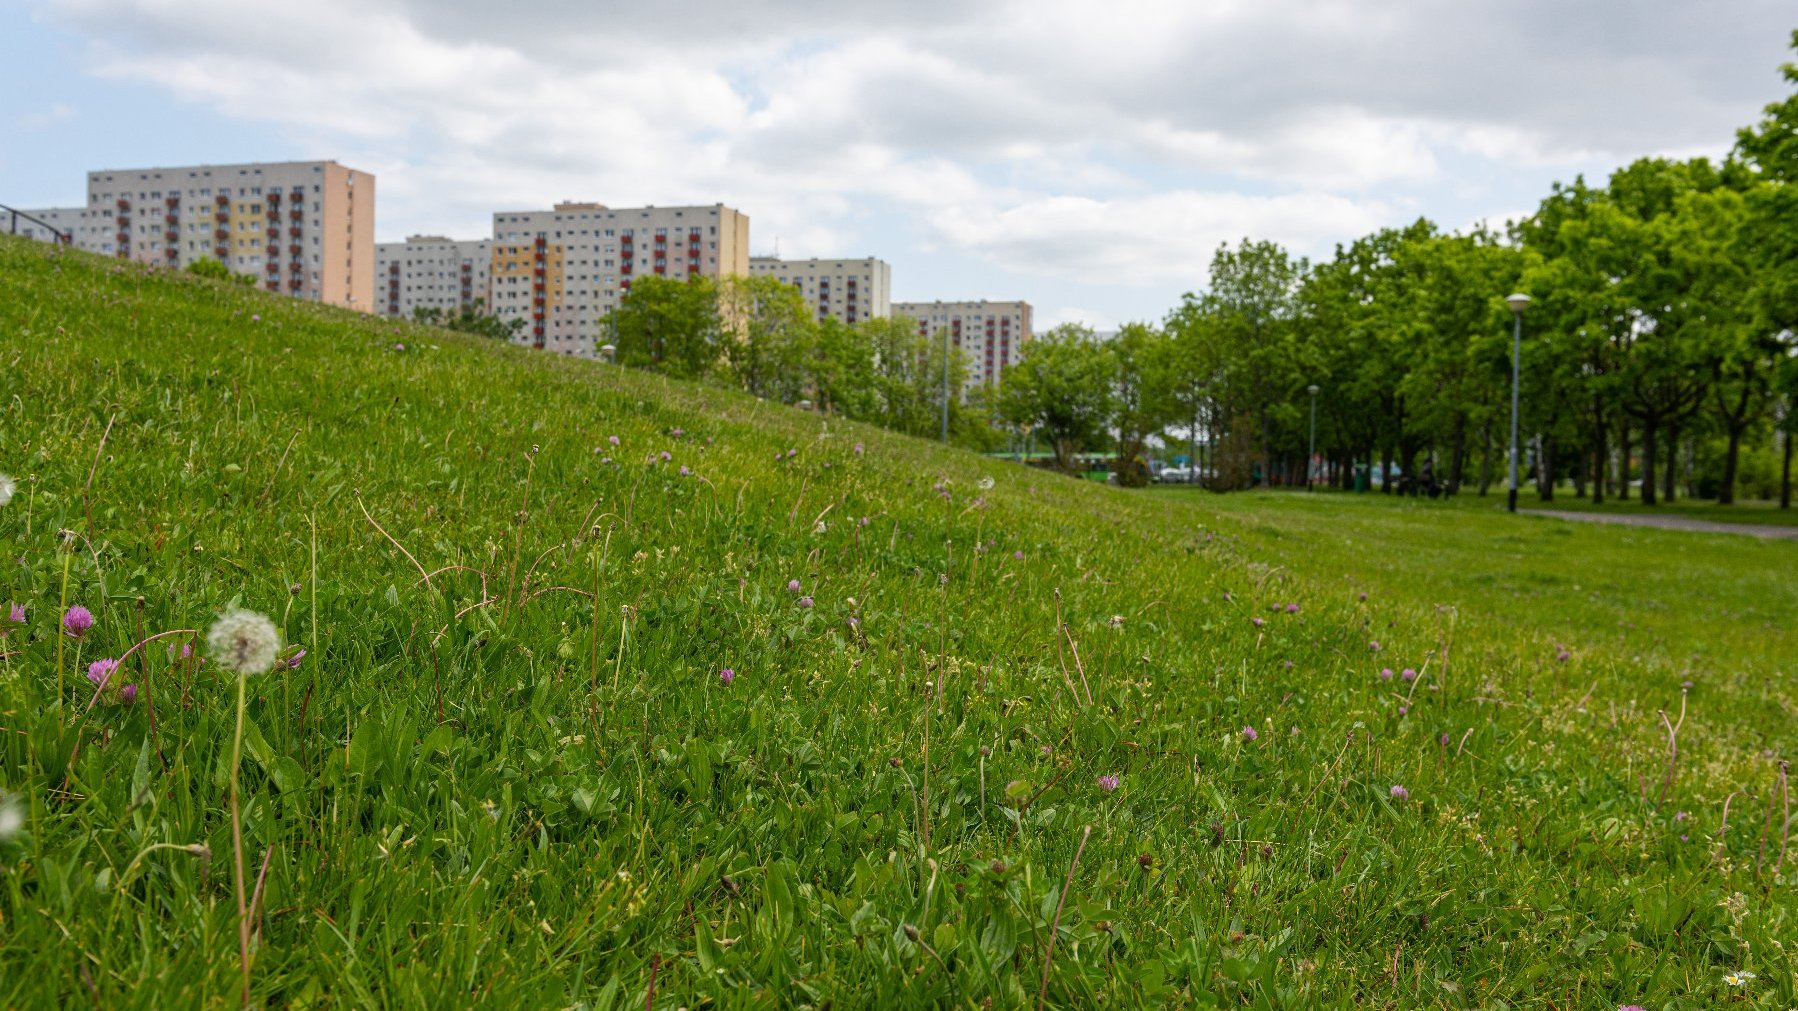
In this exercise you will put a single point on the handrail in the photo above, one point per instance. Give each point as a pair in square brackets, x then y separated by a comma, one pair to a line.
[14, 214]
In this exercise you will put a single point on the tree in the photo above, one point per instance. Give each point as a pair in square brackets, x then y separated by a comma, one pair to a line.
[470, 319]
[774, 336]
[1063, 387]
[1144, 395]
[216, 270]
[671, 326]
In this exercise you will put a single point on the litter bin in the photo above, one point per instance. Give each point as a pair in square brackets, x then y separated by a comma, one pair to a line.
[1360, 477]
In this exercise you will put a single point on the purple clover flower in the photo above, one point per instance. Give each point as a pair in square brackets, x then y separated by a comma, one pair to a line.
[1107, 782]
[77, 621]
[727, 675]
[1400, 793]
[1385, 673]
[1249, 735]
[792, 586]
[805, 602]
[16, 614]
[293, 662]
[100, 671]
[1408, 674]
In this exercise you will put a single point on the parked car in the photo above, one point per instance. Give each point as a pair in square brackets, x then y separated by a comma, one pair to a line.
[1178, 475]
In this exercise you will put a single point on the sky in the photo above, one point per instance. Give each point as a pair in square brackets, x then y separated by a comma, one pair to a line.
[1087, 157]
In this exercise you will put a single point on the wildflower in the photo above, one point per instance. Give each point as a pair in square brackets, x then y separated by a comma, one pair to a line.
[613, 439]
[1385, 673]
[1631, 1007]
[1045, 751]
[1256, 622]
[1738, 978]
[1374, 646]
[1562, 655]
[858, 449]
[128, 694]
[665, 456]
[1400, 793]
[7, 487]
[293, 662]
[727, 675]
[678, 432]
[1107, 783]
[791, 453]
[399, 347]
[1402, 710]
[1409, 674]
[16, 614]
[1249, 735]
[1117, 621]
[854, 623]
[77, 621]
[985, 484]
[684, 472]
[1363, 596]
[792, 586]
[1443, 740]
[805, 601]
[864, 521]
[1287, 665]
[1292, 608]
[255, 317]
[1017, 556]
[100, 671]
[244, 642]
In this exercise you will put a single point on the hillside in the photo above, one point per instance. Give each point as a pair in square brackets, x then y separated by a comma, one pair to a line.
[521, 780]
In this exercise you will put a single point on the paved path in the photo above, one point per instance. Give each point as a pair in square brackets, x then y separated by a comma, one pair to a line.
[1674, 523]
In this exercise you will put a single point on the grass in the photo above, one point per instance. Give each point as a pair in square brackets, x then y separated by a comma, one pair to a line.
[521, 782]
[1758, 512]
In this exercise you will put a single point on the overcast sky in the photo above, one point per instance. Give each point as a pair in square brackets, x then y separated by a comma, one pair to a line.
[1086, 156]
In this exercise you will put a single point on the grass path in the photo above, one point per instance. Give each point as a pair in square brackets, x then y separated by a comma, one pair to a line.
[1673, 523]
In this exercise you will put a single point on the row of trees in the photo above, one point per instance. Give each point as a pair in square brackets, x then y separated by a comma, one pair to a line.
[1661, 345]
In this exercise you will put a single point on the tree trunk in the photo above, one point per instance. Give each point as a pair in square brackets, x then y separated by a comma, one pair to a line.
[1648, 462]
[1726, 493]
[1579, 474]
[1385, 470]
[1670, 480]
[1623, 463]
[1486, 459]
[1457, 455]
[1601, 457]
[1785, 474]
[1545, 468]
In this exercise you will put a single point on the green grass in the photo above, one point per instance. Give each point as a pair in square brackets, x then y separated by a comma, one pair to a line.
[499, 788]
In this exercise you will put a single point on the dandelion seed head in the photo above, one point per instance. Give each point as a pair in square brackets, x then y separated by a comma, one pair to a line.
[243, 642]
[7, 487]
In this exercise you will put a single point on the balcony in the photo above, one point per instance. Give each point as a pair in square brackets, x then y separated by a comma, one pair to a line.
[295, 214]
[221, 217]
[293, 233]
[222, 200]
[221, 235]
[124, 205]
[273, 284]
[171, 253]
[123, 238]
[274, 196]
[272, 268]
[294, 250]
[172, 202]
[171, 220]
[294, 284]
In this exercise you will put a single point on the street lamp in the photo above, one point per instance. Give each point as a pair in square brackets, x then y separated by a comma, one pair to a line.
[1518, 303]
[608, 353]
[1311, 455]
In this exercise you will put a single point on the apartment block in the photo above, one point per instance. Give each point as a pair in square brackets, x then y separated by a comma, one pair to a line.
[44, 224]
[433, 272]
[302, 228]
[992, 334]
[845, 290]
[563, 271]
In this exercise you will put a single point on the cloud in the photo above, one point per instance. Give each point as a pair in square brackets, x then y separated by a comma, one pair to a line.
[1118, 144]
[56, 112]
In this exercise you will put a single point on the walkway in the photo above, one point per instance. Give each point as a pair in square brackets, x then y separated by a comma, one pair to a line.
[1760, 530]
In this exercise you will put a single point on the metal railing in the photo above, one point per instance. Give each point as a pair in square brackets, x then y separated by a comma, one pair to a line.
[13, 216]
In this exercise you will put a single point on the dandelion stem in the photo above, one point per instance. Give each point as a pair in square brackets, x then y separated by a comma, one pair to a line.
[243, 921]
[1042, 990]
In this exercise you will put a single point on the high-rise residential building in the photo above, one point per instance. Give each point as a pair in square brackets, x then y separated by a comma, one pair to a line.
[992, 334]
[306, 229]
[433, 272]
[45, 224]
[847, 290]
[563, 271]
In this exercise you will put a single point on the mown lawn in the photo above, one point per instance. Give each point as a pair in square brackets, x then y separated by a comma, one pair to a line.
[522, 781]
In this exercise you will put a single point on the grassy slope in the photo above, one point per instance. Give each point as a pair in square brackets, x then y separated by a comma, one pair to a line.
[582, 811]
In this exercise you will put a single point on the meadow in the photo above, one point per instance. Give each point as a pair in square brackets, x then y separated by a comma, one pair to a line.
[619, 692]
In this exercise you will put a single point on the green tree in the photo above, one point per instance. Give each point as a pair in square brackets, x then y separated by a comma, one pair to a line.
[671, 326]
[775, 336]
[1063, 386]
[469, 319]
[1144, 395]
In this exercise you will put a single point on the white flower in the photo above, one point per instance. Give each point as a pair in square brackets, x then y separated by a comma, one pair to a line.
[7, 487]
[986, 484]
[243, 642]
[12, 817]
[1738, 978]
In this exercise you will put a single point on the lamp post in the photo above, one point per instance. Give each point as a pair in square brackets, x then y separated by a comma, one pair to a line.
[945, 384]
[608, 353]
[1518, 303]
[1311, 454]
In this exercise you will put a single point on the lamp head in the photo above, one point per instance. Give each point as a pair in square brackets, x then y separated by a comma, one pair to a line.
[1518, 302]
[1312, 389]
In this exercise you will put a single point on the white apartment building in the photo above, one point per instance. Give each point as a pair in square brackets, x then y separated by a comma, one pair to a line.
[992, 334]
[845, 290]
[50, 223]
[563, 271]
[433, 272]
[302, 228]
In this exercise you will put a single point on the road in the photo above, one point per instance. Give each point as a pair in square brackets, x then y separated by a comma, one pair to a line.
[1760, 530]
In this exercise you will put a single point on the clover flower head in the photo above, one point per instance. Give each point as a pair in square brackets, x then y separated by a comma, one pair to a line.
[16, 614]
[1249, 734]
[77, 621]
[805, 601]
[1400, 793]
[243, 642]
[1107, 782]
[727, 675]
